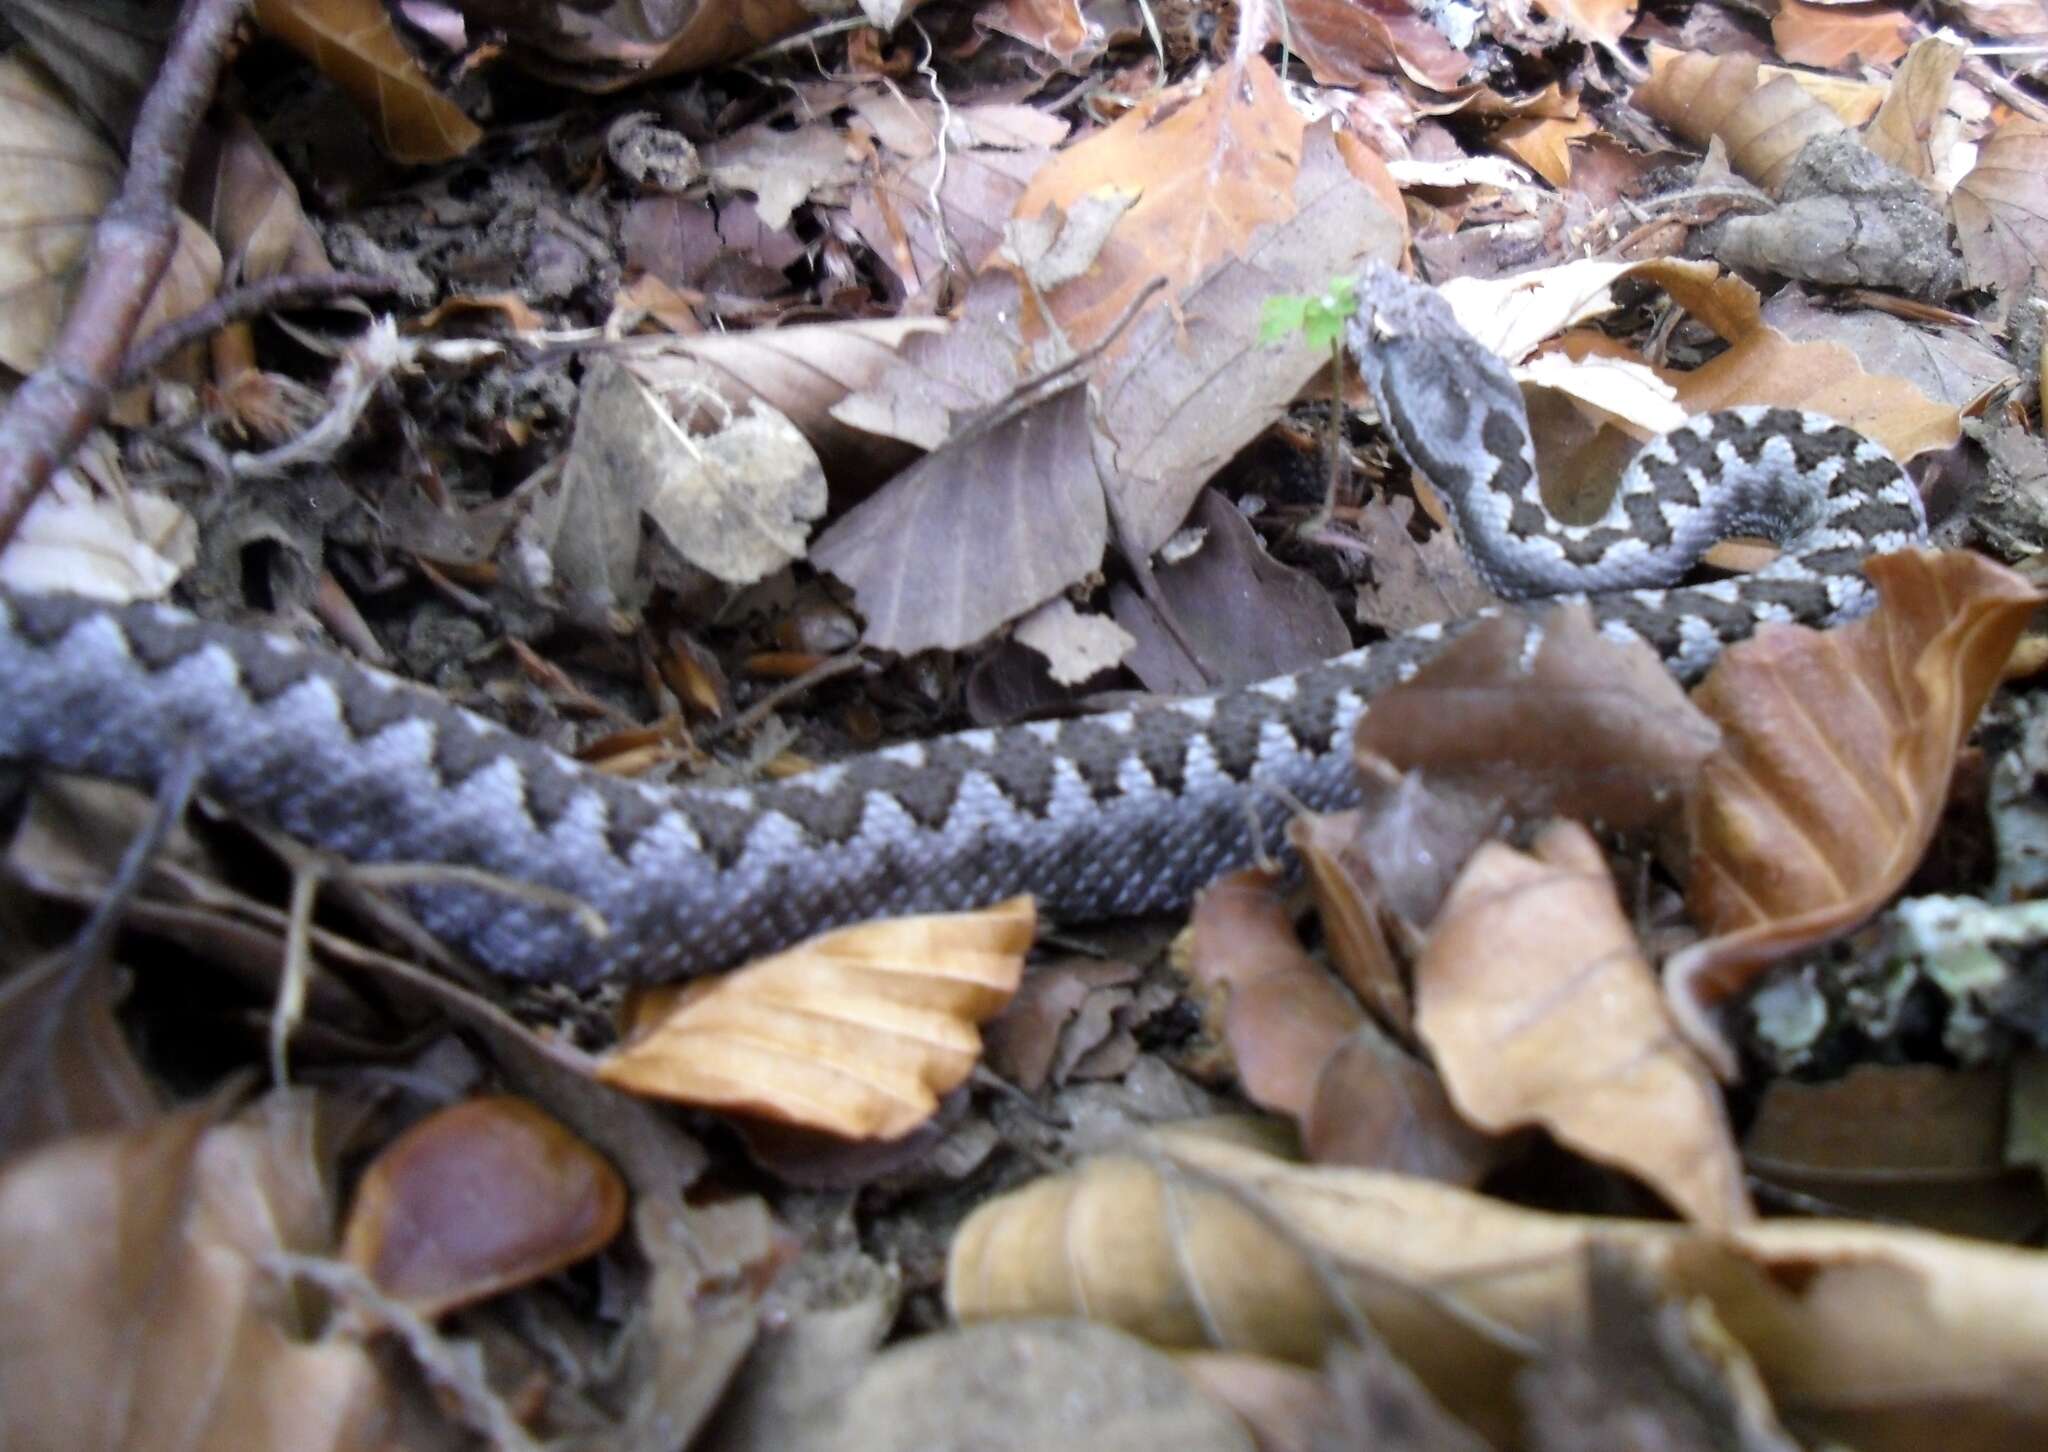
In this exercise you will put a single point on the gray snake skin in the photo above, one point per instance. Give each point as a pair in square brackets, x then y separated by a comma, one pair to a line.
[1101, 816]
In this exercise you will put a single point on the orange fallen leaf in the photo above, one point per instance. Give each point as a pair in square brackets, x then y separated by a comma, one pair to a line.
[857, 1032]
[1540, 1009]
[1834, 767]
[485, 1195]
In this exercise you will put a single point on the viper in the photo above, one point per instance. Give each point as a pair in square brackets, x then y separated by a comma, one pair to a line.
[1113, 814]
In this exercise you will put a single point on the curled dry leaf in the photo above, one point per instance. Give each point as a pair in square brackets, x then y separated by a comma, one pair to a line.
[355, 45]
[1835, 762]
[1894, 1340]
[1586, 727]
[1702, 97]
[484, 1196]
[1541, 1009]
[856, 1032]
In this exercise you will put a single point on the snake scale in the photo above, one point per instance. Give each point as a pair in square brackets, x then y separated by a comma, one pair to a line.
[1099, 816]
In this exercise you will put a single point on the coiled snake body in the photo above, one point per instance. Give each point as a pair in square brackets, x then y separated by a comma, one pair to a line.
[1101, 816]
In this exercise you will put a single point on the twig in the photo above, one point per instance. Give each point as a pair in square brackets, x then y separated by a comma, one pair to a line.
[132, 244]
[293, 290]
[827, 669]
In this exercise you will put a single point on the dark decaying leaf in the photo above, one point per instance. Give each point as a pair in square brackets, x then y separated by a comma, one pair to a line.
[978, 531]
[484, 1196]
[1587, 727]
[1246, 615]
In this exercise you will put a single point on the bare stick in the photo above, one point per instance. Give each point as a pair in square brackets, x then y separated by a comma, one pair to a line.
[292, 290]
[131, 246]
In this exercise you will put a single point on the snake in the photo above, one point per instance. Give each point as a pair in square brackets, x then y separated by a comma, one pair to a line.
[1104, 816]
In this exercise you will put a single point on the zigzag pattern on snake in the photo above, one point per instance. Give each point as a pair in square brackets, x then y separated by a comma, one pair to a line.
[1100, 816]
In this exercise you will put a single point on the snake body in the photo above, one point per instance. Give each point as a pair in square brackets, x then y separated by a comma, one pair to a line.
[1100, 816]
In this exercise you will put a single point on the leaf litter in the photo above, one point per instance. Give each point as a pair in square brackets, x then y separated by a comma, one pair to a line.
[645, 484]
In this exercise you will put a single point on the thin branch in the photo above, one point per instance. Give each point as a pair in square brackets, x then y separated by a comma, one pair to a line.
[51, 413]
[292, 290]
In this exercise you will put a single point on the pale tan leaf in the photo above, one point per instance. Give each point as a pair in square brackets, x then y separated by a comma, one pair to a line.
[55, 177]
[136, 1306]
[1893, 1340]
[1539, 1008]
[856, 1032]
[354, 43]
[1911, 129]
[2001, 210]
[1836, 755]
[803, 372]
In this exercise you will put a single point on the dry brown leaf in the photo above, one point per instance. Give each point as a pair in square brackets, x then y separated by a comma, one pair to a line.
[856, 1032]
[1354, 912]
[1278, 1011]
[65, 1066]
[136, 1307]
[104, 53]
[604, 45]
[2001, 210]
[1587, 727]
[1544, 143]
[1835, 762]
[1540, 1009]
[1378, 1107]
[484, 1196]
[354, 44]
[250, 205]
[1878, 1336]
[1827, 36]
[1244, 615]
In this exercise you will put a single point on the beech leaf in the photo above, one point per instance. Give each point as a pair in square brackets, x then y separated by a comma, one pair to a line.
[857, 1033]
